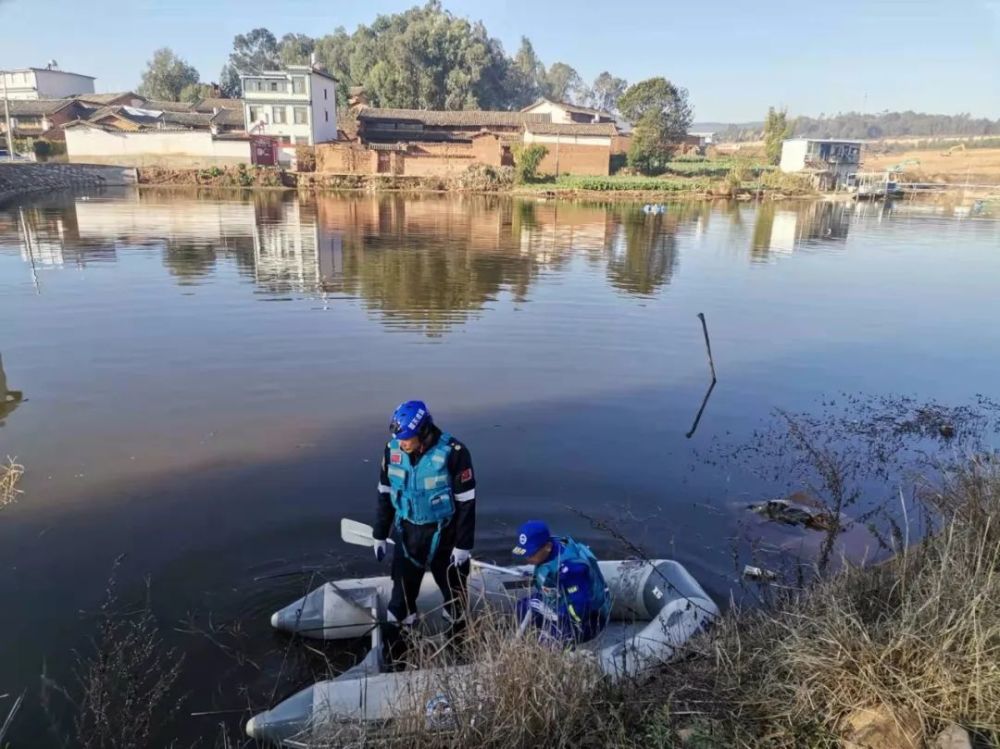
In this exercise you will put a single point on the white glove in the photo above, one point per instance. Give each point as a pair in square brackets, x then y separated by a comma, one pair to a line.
[460, 556]
[542, 608]
[380, 547]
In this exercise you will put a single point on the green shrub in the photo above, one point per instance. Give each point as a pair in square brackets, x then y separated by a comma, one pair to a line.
[618, 183]
[526, 162]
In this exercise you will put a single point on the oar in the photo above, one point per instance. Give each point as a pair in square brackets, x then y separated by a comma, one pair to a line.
[360, 534]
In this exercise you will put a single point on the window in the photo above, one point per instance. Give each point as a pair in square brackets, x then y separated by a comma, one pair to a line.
[298, 85]
[301, 115]
[326, 116]
[254, 114]
[324, 92]
[274, 85]
[279, 115]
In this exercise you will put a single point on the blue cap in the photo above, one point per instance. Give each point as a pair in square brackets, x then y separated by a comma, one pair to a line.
[531, 537]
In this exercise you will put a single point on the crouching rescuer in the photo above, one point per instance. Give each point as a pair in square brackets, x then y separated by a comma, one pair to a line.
[427, 504]
[569, 601]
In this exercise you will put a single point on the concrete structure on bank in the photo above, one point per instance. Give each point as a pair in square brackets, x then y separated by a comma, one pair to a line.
[45, 83]
[297, 105]
[829, 159]
[18, 179]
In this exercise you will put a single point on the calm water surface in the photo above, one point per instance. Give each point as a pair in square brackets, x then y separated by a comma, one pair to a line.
[207, 382]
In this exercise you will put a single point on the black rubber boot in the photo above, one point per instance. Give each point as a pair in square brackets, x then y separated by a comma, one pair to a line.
[394, 647]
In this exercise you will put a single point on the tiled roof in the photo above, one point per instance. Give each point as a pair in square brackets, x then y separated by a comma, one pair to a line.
[576, 128]
[105, 99]
[187, 119]
[230, 118]
[208, 105]
[36, 107]
[138, 116]
[168, 106]
[459, 118]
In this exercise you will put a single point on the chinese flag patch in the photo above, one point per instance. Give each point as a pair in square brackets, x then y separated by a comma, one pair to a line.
[466, 475]
[395, 458]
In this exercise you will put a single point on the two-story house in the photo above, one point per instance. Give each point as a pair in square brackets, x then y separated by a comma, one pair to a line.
[45, 83]
[838, 158]
[297, 105]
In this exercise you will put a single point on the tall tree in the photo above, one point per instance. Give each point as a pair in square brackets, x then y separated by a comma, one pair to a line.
[254, 51]
[606, 92]
[527, 73]
[229, 82]
[562, 83]
[295, 49]
[776, 129]
[195, 92]
[661, 116]
[166, 76]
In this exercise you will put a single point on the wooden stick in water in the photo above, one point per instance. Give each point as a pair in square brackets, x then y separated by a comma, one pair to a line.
[708, 344]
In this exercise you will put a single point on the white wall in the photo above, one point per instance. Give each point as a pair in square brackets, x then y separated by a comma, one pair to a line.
[324, 108]
[579, 140]
[55, 84]
[173, 148]
[557, 113]
[793, 155]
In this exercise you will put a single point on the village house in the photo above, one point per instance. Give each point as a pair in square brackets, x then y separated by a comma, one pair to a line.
[296, 106]
[121, 98]
[829, 159]
[44, 83]
[33, 118]
[573, 148]
[561, 112]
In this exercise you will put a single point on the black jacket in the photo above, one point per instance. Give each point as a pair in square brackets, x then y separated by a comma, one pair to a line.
[461, 529]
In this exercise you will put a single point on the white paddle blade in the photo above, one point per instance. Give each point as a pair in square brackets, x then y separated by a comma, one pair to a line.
[356, 533]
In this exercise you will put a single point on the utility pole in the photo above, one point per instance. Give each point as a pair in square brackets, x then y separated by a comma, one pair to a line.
[6, 109]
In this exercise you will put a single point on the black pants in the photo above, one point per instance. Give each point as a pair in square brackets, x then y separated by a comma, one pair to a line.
[407, 576]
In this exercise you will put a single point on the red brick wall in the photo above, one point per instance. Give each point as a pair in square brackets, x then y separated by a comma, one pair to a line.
[576, 159]
[345, 158]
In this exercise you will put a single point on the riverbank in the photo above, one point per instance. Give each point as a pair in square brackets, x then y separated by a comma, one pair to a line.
[488, 180]
[19, 180]
[898, 655]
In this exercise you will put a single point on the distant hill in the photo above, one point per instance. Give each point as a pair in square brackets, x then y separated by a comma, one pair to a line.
[857, 126]
[718, 127]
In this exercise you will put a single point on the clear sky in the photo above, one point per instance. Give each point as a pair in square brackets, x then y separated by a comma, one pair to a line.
[736, 57]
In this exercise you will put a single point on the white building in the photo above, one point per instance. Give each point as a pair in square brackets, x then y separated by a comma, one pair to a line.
[45, 83]
[561, 112]
[837, 157]
[297, 104]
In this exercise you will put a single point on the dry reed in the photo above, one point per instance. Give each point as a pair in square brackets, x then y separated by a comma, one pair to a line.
[10, 475]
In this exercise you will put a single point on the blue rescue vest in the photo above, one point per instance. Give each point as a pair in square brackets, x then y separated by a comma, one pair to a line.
[547, 576]
[422, 493]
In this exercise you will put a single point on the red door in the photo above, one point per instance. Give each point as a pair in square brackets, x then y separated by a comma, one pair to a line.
[263, 150]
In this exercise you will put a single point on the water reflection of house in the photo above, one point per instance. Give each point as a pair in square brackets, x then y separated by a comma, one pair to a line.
[784, 230]
[286, 240]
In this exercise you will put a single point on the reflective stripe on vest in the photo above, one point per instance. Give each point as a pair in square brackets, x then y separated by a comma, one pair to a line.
[421, 493]
[547, 576]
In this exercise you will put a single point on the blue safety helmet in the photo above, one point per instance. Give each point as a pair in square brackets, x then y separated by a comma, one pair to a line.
[531, 537]
[410, 419]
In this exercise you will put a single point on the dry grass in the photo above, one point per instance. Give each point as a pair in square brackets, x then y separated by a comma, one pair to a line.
[917, 638]
[10, 475]
[499, 690]
[977, 165]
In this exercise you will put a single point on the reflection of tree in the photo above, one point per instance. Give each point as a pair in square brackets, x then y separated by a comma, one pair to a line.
[647, 259]
[9, 399]
[760, 244]
[189, 260]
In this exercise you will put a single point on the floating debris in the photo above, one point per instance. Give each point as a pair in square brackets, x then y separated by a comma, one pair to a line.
[759, 573]
[797, 509]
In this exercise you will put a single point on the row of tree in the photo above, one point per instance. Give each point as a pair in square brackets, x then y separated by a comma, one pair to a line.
[854, 125]
[427, 58]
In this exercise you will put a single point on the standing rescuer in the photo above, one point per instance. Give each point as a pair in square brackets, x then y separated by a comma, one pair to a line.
[427, 503]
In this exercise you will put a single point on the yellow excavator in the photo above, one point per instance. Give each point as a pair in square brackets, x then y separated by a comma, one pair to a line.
[954, 149]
